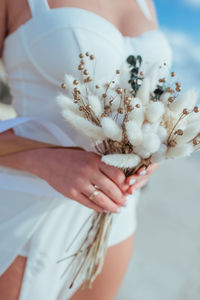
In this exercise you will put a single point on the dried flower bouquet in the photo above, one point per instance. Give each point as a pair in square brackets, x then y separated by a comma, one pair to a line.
[134, 124]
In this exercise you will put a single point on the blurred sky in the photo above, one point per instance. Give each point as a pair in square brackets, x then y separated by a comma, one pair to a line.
[180, 20]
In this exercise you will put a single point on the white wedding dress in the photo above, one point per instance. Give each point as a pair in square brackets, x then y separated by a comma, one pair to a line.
[35, 219]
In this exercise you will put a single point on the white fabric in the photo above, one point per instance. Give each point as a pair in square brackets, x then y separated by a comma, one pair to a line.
[36, 57]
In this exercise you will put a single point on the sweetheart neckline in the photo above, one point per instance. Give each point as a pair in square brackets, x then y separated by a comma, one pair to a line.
[86, 11]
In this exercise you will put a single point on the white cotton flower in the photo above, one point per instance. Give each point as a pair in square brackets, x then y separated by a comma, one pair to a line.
[83, 125]
[187, 100]
[151, 143]
[140, 151]
[162, 133]
[111, 129]
[154, 111]
[149, 127]
[134, 133]
[96, 105]
[189, 133]
[137, 114]
[121, 160]
[144, 91]
[180, 151]
[164, 98]
[160, 155]
[67, 103]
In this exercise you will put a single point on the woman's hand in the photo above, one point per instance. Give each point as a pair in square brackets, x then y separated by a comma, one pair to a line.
[74, 173]
[140, 179]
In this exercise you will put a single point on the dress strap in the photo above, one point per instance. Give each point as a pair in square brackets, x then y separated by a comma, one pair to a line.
[38, 6]
[144, 8]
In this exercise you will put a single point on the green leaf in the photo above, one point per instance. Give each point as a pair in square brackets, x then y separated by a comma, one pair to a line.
[139, 58]
[131, 60]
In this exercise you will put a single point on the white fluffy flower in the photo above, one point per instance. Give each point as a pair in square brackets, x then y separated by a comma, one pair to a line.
[111, 129]
[154, 111]
[164, 98]
[150, 144]
[187, 100]
[144, 91]
[121, 160]
[189, 133]
[134, 133]
[96, 105]
[137, 114]
[179, 151]
[162, 133]
[150, 128]
[83, 125]
[67, 103]
[159, 155]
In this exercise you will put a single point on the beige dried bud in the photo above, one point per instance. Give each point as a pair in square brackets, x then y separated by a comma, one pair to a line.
[141, 73]
[81, 108]
[86, 72]
[195, 142]
[162, 80]
[107, 109]
[120, 110]
[178, 89]
[169, 90]
[89, 107]
[130, 108]
[137, 106]
[63, 86]
[119, 91]
[186, 111]
[104, 95]
[87, 53]
[170, 99]
[173, 74]
[196, 109]
[91, 57]
[172, 143]
[80, 67]
[81, 55]
[117, 72]
[75, 82]
[180, 132]
[97, 86]
[82, 62]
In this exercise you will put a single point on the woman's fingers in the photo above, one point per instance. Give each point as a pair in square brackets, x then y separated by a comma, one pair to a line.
[115, 174]
[137, 186]
[100, 199]
[85, 201]
[109, 188]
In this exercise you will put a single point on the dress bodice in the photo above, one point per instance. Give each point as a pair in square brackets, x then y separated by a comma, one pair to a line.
[40, 52]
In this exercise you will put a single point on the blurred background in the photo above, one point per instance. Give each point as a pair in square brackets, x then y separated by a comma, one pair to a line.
[165, 263]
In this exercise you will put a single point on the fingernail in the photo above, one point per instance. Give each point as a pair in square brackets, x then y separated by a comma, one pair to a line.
[118, 210]
[142, 173]
[105, 210]
[132, 181]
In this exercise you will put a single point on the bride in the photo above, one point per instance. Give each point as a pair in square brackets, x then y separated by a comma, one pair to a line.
[45, 192]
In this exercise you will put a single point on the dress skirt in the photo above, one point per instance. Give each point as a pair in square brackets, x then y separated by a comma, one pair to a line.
[44, 227]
